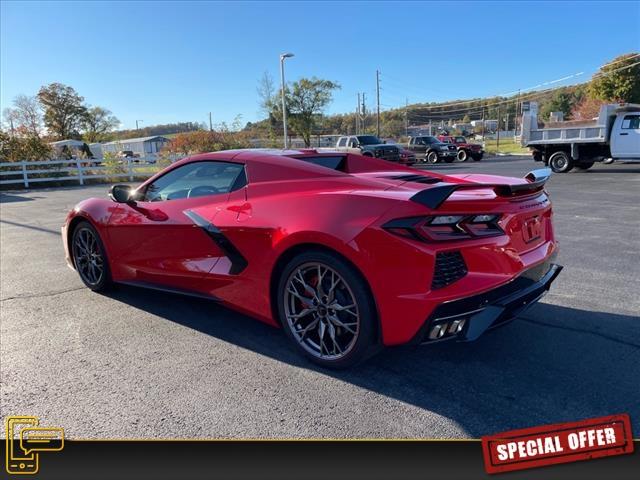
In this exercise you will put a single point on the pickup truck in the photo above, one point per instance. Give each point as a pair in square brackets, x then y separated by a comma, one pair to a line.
[431, 150]
[465, 149]
[614, 135]
[369, 146]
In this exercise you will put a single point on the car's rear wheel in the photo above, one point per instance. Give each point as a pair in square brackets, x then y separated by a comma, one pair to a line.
[90, 258]
[449, 159]
[477, 157]
[432, 157]
[462, 155]
[560, 162]
[326, 309]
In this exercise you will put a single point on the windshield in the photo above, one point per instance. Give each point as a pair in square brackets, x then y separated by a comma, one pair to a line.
[430, 140]
[461, 140]
[369, 140]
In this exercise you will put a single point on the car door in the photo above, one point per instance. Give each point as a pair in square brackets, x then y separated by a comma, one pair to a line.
[420, 146]
[352, 145]
[166, 238]
[626, 137]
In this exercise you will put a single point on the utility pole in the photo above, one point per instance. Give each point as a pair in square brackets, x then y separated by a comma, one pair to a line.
[498, 130]
[515, 122]
[483, 139]
[210, 124]
[506, 126]
[137, 124]
[378, 103]
[406, 117]
[364, 114]
[358, 115]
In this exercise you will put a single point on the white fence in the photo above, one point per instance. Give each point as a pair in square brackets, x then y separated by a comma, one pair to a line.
[79, 170]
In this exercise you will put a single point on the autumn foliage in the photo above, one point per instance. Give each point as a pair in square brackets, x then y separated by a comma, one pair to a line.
[203, 141]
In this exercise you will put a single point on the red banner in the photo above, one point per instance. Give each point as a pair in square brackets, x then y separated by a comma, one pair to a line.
[559, 443]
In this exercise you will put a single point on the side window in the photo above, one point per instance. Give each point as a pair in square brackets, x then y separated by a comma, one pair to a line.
[342, 142]
[196, 179]
[631, 122]
[352, 143]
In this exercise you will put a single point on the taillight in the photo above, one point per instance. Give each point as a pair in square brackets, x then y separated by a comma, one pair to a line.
[446, 227]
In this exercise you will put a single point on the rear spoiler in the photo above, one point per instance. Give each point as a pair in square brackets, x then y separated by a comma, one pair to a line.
[435, 196]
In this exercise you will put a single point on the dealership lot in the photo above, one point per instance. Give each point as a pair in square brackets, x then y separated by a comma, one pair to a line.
[143, 364]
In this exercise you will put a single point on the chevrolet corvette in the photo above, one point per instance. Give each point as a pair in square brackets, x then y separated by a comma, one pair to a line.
[346, 253]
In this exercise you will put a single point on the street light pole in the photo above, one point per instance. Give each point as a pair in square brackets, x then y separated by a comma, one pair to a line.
[284, 106]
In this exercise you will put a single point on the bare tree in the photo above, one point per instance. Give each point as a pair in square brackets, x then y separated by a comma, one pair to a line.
[29, 114]
[266, 94]
[10, 116]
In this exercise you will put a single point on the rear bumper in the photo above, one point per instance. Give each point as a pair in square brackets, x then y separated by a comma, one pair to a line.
[468, 318]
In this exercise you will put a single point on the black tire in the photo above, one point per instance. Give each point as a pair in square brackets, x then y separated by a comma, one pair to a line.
[584, 166]
[363, 340]
[90, 259]
[477, 157]
[462, 156]
[368, 154]
[431, 157]
[560, 162]
[449, 159]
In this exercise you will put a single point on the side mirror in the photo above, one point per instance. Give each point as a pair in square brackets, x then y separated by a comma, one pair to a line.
[121, 194]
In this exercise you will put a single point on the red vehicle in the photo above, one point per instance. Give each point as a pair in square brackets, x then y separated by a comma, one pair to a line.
[465, 149]
[347, 253]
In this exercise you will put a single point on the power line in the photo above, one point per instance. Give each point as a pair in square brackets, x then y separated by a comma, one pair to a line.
[476, 109]
[597, 74]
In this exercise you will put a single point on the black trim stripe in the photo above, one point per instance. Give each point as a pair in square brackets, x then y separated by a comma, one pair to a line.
[238, 262]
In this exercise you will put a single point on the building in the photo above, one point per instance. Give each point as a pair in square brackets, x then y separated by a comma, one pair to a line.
[62, 148]
[143, 146]
[489, 125]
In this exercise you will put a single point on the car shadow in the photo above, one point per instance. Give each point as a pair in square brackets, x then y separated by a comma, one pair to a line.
[550, 366]
[12, 198]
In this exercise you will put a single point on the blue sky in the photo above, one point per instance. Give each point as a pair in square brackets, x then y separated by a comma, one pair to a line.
[169, 61]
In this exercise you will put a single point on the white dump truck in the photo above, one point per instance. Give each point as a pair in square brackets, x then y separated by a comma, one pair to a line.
[614, 135]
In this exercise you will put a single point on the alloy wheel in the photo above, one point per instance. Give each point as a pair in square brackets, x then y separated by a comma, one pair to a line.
[321, 311]
[88, 256]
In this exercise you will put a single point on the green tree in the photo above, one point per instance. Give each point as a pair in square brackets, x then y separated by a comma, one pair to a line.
[561, 101]
[96, 123]
[618, 81]
[306, 100]
[63, 110]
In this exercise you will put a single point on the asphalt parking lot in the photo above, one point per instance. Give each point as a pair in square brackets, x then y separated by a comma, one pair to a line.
[143, 364]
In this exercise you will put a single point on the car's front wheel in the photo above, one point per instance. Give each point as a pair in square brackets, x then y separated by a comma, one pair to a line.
[326, 309]
[90, 257]
[462, 155]
[432, 157]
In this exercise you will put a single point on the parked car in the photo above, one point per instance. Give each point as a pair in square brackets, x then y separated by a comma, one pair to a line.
[407, 157]
[346, 253]
[614, 135]
[431, 150]
[127, 154]
[465, 149]
[369, 146]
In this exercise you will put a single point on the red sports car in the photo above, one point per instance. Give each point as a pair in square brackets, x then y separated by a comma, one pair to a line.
[346, 253]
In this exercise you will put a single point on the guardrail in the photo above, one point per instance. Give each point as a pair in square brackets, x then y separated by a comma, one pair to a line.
[27, 173]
